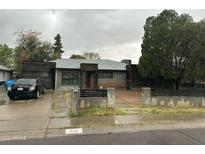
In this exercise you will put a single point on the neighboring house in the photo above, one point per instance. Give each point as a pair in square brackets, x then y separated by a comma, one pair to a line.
[89, 73]
[5, 74]
[43, 70]
[78, 73]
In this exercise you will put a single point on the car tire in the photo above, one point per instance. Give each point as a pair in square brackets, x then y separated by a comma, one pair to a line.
[43, 91]
[11, 97]
[37, 94]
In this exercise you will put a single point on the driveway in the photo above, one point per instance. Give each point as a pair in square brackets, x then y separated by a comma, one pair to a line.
[26, 115]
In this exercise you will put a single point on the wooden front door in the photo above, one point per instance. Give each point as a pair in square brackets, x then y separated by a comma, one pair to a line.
[89, 80]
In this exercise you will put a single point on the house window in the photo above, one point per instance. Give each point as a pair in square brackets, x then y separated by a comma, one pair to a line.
[70, 78]
[44, 74]
[105, 75]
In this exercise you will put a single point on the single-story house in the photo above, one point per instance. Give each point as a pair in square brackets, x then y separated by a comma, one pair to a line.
[89, 73]
[81, 73]
[5, 74]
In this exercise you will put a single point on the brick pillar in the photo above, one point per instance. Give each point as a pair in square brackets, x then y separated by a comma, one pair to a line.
[110, 97]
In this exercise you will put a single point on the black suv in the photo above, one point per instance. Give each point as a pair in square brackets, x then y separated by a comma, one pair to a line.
[31, 88]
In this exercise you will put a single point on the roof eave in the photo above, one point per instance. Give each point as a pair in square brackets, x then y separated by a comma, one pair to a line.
[98, 69]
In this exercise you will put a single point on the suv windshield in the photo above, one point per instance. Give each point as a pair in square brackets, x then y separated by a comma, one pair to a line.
[26, 81]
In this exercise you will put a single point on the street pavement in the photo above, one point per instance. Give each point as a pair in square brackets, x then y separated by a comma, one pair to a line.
[153, 137]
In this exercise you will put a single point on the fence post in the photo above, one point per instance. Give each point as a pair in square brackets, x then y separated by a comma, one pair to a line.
[110, 97]
[75, 101]
[146, 96]
[3, 94]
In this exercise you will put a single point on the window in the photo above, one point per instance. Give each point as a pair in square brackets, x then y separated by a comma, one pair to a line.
[105, 75]
[70, 78]
[44, 74]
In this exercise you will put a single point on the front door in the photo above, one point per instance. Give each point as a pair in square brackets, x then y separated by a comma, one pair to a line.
[90, 80]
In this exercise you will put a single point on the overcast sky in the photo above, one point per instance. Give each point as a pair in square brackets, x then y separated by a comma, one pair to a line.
[114, 34]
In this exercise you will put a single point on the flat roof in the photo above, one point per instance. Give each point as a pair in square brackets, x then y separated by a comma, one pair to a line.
[103, 64]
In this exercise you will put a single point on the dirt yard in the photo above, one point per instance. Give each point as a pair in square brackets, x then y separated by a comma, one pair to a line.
[128, 97]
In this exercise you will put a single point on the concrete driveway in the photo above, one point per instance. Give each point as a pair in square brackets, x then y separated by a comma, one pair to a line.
[32, 115]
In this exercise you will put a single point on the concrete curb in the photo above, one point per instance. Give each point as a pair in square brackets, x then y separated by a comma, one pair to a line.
[127, 128]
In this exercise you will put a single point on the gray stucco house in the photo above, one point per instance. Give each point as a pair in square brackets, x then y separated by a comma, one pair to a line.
[89, 73]
[81, 73]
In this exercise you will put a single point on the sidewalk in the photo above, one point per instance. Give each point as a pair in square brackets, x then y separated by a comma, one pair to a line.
[96, 125]
[128, 128]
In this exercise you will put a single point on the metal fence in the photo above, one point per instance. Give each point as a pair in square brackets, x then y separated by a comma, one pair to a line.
[184, 92]
[93, 93]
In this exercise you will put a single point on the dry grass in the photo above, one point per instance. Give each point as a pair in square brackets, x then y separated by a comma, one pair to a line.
[172, 110]
[157, 110]
[100, 111]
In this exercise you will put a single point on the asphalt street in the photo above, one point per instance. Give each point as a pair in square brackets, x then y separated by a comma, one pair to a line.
[153, 137]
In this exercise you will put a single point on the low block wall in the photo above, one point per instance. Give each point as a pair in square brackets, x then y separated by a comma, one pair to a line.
[84, 102]
[178, 101]
[148, 99]
[3, 94]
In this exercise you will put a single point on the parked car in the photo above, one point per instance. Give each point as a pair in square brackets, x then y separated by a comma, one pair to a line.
[31, 88]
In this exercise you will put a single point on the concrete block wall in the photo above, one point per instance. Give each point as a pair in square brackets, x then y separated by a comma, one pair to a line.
[146, 95]
[3, 94]
[147, 99]
[85, 102]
